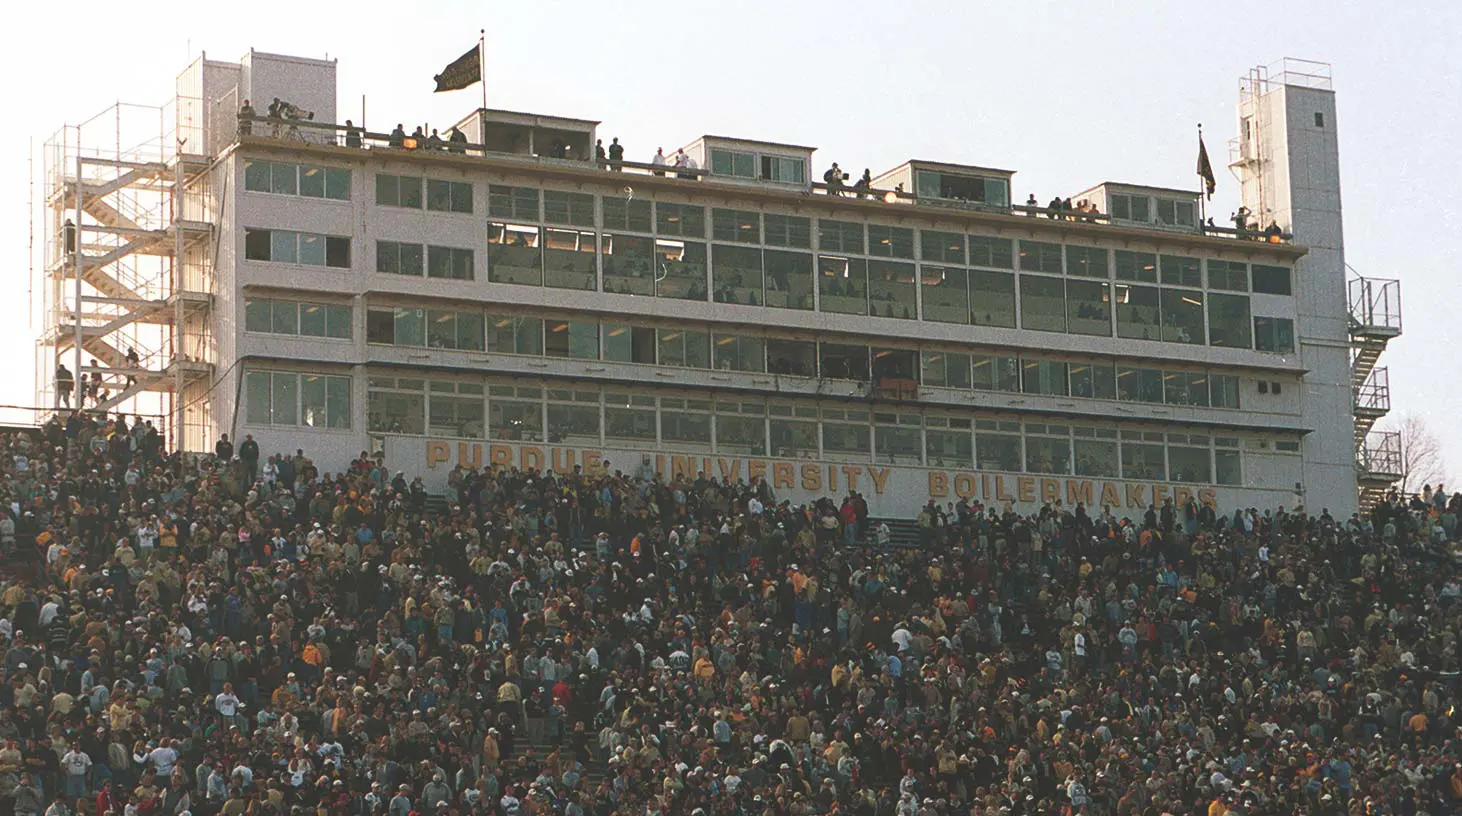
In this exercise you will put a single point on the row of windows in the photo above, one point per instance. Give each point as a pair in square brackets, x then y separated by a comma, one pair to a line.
[307, 180]
[275, 316]
[560, 258]
[753, 427]
[441, 196]
[288, 398]
[749, 226]
[689, 348]
[303, 248]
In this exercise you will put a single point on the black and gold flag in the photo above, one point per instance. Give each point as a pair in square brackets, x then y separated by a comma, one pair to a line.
[462, 73]
[1205, 169]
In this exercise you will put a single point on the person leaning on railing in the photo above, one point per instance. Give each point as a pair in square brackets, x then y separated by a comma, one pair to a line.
[246, 119]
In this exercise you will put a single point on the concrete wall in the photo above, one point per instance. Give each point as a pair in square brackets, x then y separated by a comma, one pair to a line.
[308, 83]
[1299, 186]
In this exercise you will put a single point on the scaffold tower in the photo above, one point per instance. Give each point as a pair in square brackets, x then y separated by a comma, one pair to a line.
[128, 269]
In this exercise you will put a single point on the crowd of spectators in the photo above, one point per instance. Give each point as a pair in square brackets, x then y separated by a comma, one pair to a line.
[201, 635]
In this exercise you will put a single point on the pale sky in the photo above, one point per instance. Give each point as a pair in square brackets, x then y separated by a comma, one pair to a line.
[1067, 94]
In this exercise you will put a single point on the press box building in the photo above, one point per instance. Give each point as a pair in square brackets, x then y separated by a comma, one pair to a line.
[509, 301]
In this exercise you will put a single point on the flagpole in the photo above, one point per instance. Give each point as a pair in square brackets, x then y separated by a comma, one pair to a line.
[482, 74]
[1202, 190]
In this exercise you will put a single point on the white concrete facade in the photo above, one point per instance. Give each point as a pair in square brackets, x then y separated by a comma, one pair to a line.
[1287, 425]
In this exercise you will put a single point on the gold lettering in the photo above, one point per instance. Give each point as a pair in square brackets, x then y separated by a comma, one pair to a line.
[593, 461]
[500, 455]
[851, 475]
[1001, 494]
[1159, 492]
[1078, 491]
[756, 469]
[730, 469]
[563, 460]
[682, 466]
[1025, 487]
[782, 475]
[1050, 491]
[660, 464]
[436, 453]
[938, 484]
[811, 477]
[832, 478]
[1110, 497]
[985, 487]
[1134, 496]
[532, 458]
[964, 485]
[1182, 495]
[1208, 496]
[880, 479]
[474, 461]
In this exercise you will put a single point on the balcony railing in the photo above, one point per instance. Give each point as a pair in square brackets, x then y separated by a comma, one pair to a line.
[1375, 305]
[1381, 455]
[311, 132]
[1374, 396]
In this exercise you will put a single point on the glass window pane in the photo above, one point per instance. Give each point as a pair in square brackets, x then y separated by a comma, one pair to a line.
[312, 320]
[623, 422]
[685, 220]
[890, 242]
[898, 445]
[793, 439]
[1223, 390]
[1181, 271]
[1086, 262]
[284, 246]
[1189, 464]
[942, 247]
[843, 438]
[1227, 470]
[284, 178]
[997, 451]
[740, 353]
[457, 415]
[995, 373]
[337, 252]
[258, 245]
[312, 184]
[1042, 303]
[745, 435]
[1047, 455]
[953, 448]
[997, 253]
[576, 209]
[285, 398]
[1037, 256]
[788, 279]
[257, 176]
[1229, 275]
[1271, 280]
[258, 315]
[1088, 308]
[788, 230]
[1045, 377]
[337, 184]
[1136, 266]
[682, 270]
[514, 254]
[627, 214]
[946, 294]
[797, 358]
[284, 317]
[992, 298]
[410, 326]
[338, 322]
[1093, 381]
[840, 236]
[1142, 461]
[1274, 334]
[891, 290]
[736, 273]
[258, 392]
[312, 400]
[686, 428]
[516, 420]
[839, 361]
[1229, 321]
[569, 260]
[1182, 316]
[1137, 312]
[739, 226]
[337, 402]
[629, 264]
[512, 202]
[843, 285]
[1139, 384]
[573, 424]
[1096, 457]
[946, 369]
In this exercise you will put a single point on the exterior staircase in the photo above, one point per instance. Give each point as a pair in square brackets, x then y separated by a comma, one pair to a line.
[1375, 318]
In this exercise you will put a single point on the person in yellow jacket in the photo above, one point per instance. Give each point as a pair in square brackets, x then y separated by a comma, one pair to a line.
[705, 670]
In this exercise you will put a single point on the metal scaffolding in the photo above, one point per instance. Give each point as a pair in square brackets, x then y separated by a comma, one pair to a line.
[129, 225]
